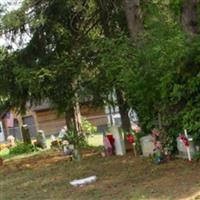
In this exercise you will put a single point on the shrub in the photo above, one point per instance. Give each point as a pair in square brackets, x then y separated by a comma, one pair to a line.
[196, 138]
[22, 148]
[87, 127]
[197, 156]
[78, 140]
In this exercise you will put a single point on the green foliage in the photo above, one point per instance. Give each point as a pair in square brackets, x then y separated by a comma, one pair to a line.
[196, 156]
[87, 127]
[196, 138]
[85, 51]
[22, 148]
[146, 82]
[109, 61]
[78, 140]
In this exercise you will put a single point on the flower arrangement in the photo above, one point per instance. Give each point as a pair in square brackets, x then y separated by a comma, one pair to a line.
[158, 156]
[133, 138]
[184, 140]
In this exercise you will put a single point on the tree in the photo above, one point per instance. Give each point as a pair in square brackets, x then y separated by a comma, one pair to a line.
[47, 66]
[189, 16]
[113, 25]
[86, 51]
[56, 70]
[134, 17]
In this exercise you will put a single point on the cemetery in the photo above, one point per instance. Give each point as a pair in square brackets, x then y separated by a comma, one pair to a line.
[144, 170]
[126, 177]
[100, 99]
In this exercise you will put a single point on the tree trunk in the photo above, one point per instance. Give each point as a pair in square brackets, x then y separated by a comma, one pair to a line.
[133, 17]
[73, 117]
[77, 117]
[189, 17]
[123, 110]
[69, 118]
[103, 5]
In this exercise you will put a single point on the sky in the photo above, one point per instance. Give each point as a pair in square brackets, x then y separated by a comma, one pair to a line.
[11, 5]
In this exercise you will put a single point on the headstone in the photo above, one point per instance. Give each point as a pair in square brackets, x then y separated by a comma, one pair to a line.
[11, 141]
[26, 134]
[2, 136]
[41, 139]
[119, 141]
[182, 149]
[147, 145]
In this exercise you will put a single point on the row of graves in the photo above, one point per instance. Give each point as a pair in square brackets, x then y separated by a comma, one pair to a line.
[114, 143]
[153, 145]
[149, 146]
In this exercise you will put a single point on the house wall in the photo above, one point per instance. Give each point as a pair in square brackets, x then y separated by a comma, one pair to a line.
[15, 131]
[19, 120]
[49, 121]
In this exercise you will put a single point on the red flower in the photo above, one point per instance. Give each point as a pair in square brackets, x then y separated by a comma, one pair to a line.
[111, 139]
[130, 138]
[184, 140]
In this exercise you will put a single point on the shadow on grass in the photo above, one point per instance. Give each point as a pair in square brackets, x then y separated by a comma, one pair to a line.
[117, 178]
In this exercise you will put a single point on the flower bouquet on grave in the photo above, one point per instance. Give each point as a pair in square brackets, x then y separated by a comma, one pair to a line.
[109, 144]
[185, 140]
[132, 138]
[158, 156]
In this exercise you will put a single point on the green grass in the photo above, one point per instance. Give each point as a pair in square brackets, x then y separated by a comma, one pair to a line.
[118, 178]
[4, 153]
[6, 156]
[96, 140]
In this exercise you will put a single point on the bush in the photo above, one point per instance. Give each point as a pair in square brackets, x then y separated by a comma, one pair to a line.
[87, 127]
[78, 140]
[196, 138]
[22, 148]
[197, 156]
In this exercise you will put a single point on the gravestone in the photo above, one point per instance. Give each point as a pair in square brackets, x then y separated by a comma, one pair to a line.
[147, 145]
[41, 139]
[26, 134]
[182, 149]
[119, 141]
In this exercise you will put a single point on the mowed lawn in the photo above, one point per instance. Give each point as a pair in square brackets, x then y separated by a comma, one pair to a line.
[47, 176]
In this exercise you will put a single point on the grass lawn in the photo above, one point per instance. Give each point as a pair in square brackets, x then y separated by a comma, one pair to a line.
[95, 140]
[46, 177]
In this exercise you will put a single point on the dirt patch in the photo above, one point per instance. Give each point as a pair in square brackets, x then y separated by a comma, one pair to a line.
[41, 160]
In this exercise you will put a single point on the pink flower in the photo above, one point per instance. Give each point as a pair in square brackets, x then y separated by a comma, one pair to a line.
[137, 129]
